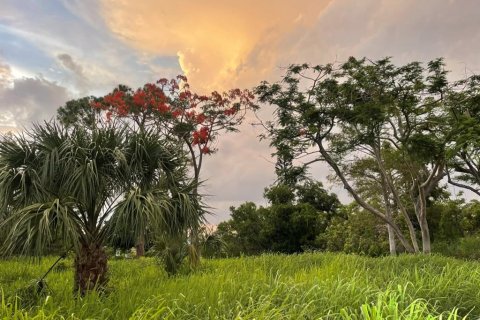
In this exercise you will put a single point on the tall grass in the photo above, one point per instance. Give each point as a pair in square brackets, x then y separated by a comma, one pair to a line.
[306, 286]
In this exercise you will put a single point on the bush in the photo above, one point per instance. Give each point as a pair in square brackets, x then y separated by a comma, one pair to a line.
[463, 248]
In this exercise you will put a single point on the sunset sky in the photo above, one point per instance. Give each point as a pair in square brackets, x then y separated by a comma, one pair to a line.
[54, 51]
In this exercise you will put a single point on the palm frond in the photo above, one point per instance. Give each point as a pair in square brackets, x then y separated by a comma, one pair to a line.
[35, 227]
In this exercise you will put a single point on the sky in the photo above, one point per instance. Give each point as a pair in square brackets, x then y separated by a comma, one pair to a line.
[57, 50]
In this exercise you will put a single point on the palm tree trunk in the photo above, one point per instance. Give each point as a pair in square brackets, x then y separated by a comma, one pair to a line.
[140, 246]
[90, 268]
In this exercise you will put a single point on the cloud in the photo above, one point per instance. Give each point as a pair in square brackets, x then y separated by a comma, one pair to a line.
[5, 75]
[81, 80]
[219, 44]
[238, 172]
[30, 100]
[406, 30]
[67, 62]
[69, 43]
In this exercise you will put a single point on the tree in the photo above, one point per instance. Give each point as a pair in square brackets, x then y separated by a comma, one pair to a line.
[360, 110]
[464, 151]
[192, 120]
[355, 231]
[69, 183]
[243, 233]
[78, 113]
[292, 222]
[372, 186]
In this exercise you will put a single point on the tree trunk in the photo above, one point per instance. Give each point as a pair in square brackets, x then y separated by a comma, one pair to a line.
[421, 212]
[388, 212]
[194, 249]
[408, 247]
[90, 268]
[140, 246]
[426, 244]
[388, 184]
[391, 241]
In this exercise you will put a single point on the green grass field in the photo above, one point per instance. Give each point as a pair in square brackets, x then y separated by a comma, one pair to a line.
[306, 286]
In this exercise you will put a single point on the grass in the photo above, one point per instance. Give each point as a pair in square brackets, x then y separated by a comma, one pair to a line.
[306, 286]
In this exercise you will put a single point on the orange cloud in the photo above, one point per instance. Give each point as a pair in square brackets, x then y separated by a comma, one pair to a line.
[219, 44]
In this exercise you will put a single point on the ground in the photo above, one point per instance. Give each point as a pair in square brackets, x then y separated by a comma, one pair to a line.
[305, 286]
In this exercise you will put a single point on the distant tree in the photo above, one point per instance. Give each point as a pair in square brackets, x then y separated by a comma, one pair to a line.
[243, 233]
[292, 222]
[356, 231]
[68, 183]
[78, 113]
[470, 221]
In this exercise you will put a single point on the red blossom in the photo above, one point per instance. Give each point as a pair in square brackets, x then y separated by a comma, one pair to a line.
[96, 105]
[200, 136]
[201, 118]
[183, 95]
[163, 108]
[116, 101]
[170, 101]
[230, 112]
[205, 150]
[176, 113]
[139, 98]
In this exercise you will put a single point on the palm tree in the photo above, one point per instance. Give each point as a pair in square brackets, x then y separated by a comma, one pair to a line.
[64, 183]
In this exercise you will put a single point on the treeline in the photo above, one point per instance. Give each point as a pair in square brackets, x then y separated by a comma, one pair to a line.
[307, 218]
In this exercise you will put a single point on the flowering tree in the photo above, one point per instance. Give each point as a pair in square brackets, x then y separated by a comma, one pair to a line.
[169, 107]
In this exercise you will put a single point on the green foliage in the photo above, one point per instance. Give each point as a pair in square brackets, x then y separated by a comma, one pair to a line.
[462, 248]
[64, 185]
[296, 216]
[305, 286]
[355, 231]
[78, 113]
[451, 220]
[243, 233]
[405, 121]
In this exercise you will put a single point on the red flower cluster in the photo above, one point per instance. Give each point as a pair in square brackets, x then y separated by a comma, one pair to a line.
[176, 113]
[185, 95]
[116, 101]
[201, 118]
[169, 102]
[139, 99]
[163, 108]
[200, 136]
[230, 112]
[205, 150]
[96, 105]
